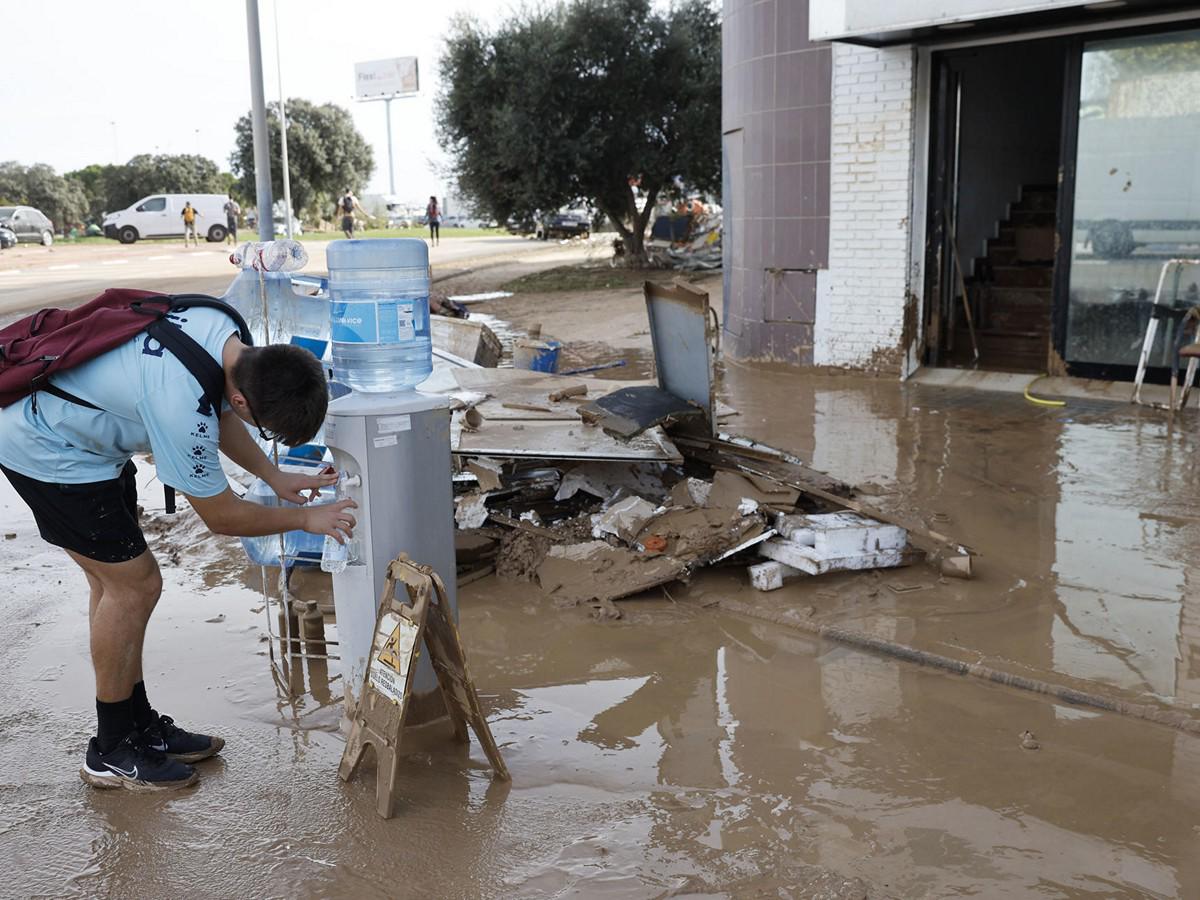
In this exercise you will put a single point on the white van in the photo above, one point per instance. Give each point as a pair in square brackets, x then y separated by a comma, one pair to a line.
[161, 215]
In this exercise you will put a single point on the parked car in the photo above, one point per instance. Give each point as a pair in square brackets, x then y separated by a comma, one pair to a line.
[564, 223]
[28, 224]
[159, 216]
[7, 239]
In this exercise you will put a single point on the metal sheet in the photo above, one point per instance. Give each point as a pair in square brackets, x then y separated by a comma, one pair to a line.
[681, 332]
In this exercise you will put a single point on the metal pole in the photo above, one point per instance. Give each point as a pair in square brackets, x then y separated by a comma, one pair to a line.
[387, 103]
[287, 175]
[258, 121]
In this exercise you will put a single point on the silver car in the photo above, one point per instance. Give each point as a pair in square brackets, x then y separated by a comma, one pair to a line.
[28, 224]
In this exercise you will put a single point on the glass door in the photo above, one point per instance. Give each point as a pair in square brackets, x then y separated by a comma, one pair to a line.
[1136, 197]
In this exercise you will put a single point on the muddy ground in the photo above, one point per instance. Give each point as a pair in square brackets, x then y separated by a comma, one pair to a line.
[685, 750]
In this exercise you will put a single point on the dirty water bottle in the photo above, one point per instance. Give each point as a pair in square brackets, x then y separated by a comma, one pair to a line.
[379, 313]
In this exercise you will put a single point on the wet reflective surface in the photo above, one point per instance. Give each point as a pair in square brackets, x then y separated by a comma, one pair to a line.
[681, 750]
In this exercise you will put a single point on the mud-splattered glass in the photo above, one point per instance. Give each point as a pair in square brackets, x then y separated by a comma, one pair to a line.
[1137, 193]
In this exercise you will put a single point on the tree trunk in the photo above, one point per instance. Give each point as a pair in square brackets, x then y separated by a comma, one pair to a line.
[634, 233]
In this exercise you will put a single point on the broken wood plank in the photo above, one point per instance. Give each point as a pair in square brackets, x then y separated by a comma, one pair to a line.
[575, 390]
[526, 526]
[527, 407]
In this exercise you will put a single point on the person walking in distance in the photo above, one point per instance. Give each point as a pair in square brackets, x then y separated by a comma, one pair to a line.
[189, 215]
[346, 206]
[435, 221]
[232, 211]
[70, 461]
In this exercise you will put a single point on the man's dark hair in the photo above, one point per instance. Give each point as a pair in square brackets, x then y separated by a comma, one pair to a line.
[286, 389]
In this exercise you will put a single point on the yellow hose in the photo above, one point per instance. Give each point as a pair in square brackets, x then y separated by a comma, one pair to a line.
[1038, 401]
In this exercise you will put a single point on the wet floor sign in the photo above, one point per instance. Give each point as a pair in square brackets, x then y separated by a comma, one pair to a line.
[387, 686]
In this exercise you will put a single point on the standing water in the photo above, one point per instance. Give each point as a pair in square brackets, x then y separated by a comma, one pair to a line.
[379, 313]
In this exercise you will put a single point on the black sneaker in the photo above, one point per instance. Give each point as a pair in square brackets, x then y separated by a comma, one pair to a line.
[167, 737]
[134, 766]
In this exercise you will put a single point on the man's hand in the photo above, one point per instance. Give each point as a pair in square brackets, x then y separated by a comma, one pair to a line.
[332, 519]
[290, 485]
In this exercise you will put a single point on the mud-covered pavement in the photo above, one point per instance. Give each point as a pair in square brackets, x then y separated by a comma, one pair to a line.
[685, 750]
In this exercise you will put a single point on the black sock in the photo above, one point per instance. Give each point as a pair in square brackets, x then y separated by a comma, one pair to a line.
[114, 721]
[143, 715]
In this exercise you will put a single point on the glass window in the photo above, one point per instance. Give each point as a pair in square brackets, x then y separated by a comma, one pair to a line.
[154, 204]
[1137, 192]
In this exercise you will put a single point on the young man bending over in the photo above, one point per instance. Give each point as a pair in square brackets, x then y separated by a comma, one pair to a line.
[72, 466]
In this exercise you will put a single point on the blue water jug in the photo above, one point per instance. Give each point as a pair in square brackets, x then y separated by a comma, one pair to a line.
[379, 313]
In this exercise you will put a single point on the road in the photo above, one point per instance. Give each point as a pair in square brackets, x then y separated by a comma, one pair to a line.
[34, 276]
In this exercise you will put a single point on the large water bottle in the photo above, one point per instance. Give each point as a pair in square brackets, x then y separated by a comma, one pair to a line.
[379, 313]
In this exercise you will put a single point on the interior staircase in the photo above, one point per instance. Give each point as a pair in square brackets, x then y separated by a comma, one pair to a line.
[1011, 289]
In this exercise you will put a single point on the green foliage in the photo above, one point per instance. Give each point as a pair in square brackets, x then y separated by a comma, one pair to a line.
[39, 186]
[108, 188]
[572, 102]
[326, 154]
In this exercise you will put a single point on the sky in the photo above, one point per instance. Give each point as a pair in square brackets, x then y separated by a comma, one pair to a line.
[99, 82]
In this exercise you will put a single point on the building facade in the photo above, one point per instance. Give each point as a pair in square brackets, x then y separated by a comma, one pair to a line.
[999, 187]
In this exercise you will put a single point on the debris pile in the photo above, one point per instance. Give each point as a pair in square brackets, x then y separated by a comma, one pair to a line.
[599, 490]
[689, 243]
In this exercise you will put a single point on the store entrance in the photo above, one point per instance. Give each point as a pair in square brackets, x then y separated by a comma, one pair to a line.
[996, 149]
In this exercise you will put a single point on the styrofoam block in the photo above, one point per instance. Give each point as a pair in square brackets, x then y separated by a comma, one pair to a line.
[768, 576]
[818, 562]
[842, 533]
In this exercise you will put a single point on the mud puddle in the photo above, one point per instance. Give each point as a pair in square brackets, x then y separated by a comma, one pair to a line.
[681, 750]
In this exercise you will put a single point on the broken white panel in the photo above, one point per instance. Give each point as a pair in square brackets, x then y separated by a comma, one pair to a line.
[769, 575]
[563, 440]
[487, 471]
[624, 519]
[842, 533]
[816, 562]
[602, 480]
[470, 510]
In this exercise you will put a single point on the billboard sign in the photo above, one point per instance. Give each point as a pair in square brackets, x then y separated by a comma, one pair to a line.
[385, 78]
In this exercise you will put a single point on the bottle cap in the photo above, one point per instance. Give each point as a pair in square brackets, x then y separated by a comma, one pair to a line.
[377, 253]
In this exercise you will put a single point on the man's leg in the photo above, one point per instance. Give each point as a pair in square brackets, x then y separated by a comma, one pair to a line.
[129, 592]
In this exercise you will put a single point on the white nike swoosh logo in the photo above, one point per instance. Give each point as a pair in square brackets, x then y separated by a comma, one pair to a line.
[161, 748]
[130, 774]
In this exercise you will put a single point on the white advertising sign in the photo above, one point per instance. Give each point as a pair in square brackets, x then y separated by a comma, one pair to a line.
[385, 77]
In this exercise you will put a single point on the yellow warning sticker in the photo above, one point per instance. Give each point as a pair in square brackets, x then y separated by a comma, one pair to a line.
[392, 655]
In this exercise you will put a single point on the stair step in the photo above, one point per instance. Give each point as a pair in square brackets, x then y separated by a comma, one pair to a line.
[1022, 276]
[1037, 199]
[1000, 254]
[1031, 217]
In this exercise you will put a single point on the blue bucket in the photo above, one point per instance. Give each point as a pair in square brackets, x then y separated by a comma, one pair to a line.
[537, 356]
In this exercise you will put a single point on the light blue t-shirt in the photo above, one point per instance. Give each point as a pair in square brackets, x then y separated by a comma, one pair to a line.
[148, 402]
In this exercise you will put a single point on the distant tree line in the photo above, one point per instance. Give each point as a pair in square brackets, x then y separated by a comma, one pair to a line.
[326, 155]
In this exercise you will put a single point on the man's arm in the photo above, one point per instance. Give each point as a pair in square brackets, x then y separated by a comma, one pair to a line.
[226, 513]
[237, 443]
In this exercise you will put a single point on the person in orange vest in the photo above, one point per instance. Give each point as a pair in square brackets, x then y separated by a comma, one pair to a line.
[189, 215]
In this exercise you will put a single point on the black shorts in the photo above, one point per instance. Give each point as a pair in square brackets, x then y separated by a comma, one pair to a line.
[98, 519]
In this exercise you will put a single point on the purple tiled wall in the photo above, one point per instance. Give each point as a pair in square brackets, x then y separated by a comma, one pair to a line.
[775, 110]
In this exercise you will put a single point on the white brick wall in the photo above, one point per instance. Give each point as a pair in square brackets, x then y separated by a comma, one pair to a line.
[861, 296]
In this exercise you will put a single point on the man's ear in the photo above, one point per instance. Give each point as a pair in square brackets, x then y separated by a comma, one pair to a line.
[238, 401]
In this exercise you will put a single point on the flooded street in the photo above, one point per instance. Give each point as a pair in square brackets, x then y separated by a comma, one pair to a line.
[685, 750]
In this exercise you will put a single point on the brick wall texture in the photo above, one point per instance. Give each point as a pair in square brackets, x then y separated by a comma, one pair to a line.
[862, 295]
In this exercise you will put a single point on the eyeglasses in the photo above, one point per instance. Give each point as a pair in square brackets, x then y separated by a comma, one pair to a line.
[254, 418]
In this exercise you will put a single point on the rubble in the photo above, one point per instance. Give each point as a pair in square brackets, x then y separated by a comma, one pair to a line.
[691, 244]
[602, 499]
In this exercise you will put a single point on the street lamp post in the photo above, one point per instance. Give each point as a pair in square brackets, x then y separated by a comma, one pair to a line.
[258, 122]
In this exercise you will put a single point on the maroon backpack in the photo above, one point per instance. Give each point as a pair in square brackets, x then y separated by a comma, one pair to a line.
[54, 340]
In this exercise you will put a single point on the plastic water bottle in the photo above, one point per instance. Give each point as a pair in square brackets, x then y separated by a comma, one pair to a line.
[379, 313]
[336, 556]
[270, 256]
